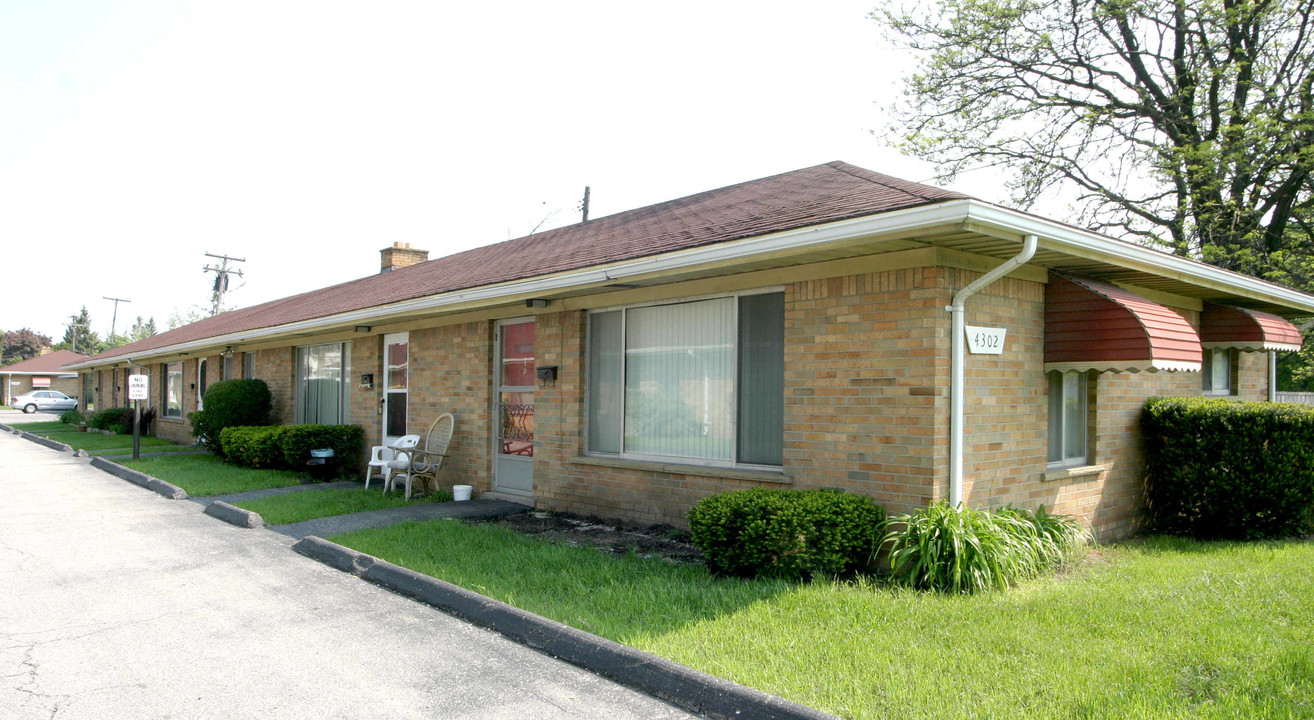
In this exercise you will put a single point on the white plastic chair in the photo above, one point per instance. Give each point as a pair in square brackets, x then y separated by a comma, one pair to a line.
[398, 458]
[379, 457]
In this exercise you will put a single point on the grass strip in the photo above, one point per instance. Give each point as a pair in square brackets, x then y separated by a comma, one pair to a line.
[39, 427]
[295, 507]
[1166, 628]
[205, 475]
[96, 441]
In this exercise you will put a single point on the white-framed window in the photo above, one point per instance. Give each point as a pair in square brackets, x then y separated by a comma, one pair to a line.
[173, 390]
[248, 366]
[1216, 371]
[1068, 417]
[699, 380]
[322, 390]
[201, 366]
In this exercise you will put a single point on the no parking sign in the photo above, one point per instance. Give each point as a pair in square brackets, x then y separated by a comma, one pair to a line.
[138, 387]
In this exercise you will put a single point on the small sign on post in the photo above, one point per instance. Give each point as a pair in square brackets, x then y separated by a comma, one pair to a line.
[985, 340]
[138, 390]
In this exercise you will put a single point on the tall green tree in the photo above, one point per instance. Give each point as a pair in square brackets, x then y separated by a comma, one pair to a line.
[79, 337]
[20, 345]
[142, 330]
[1185, 123]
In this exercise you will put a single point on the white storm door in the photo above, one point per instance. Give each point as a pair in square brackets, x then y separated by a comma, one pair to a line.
[513, 408]
[396, 379]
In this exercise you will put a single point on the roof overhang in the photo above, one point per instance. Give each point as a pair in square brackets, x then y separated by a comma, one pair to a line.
[1091, 325]
[927, 225]
[1222, 326]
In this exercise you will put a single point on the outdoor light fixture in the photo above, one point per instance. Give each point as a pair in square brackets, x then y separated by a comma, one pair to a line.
[536, 303]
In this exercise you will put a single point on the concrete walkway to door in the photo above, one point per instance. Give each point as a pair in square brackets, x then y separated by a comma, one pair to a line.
[118, 603]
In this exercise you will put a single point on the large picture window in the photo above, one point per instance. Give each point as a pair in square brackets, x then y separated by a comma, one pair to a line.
[173, 390]
[321, 384]
[1067, 418]
[701, 380]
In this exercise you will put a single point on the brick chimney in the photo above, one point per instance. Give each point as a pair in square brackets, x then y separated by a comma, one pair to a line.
[400, 255]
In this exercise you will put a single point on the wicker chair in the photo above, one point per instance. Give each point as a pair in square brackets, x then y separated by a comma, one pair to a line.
[424, 462]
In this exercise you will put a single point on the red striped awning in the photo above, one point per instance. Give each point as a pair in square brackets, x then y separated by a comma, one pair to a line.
[40, 381]
[1223, 326]
[1091, 325]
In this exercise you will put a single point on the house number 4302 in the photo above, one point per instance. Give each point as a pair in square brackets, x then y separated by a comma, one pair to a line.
[985, 340]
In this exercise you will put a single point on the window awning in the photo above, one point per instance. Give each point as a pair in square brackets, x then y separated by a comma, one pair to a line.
[1091, 325]
[1223, 326]
[40, 381]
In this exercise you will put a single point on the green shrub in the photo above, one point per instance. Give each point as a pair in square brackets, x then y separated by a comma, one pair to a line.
[347, 441]
[1223, 469]
[230, 403]
[961, 551]
[288, 447]
[71, 417]
[786, 533]
[118, 420]
[255, 447]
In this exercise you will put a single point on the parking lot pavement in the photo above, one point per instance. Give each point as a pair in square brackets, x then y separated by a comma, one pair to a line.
[10, 416]
[118, 603]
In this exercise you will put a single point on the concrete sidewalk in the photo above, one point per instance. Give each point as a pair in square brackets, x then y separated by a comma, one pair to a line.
[118, 603]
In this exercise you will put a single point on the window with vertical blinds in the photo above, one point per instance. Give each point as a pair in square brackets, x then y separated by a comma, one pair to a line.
[322, 395]
[701, 380]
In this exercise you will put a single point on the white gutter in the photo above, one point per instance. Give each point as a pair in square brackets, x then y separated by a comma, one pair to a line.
[957, 351]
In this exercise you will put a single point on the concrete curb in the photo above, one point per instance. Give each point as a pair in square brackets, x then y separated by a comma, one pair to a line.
[683, 687]
[46, 441]
[234, 515]
[168, 490]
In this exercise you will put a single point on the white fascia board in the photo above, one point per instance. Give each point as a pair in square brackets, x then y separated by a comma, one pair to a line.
[1094, 246]
[1053, 235]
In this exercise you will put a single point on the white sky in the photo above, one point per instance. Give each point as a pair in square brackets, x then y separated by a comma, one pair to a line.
[306, 136]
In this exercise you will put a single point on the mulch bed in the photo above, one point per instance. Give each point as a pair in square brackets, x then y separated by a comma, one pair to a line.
[615, 536]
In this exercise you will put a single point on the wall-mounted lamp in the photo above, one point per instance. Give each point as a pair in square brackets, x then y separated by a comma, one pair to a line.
[363, 328]
[228, 352]
[536, 303]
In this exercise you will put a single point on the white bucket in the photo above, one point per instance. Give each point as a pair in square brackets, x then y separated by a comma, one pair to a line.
[461, 492]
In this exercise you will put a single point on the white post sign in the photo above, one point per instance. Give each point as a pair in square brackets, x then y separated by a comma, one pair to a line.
[985, 340]
[138, 387]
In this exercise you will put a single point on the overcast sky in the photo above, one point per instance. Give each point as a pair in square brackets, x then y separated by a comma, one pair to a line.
[305, 136]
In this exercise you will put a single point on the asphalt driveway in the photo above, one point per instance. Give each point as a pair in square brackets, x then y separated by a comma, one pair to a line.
[118, 603]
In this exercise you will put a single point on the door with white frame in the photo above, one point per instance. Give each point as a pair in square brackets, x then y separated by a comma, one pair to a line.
[513, 408]
[396, 379]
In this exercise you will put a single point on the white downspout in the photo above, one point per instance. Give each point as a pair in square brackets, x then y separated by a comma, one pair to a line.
[957, 351]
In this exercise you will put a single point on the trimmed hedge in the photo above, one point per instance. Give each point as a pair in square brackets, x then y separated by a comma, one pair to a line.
[287, 447]
[795, 534]
[230, 403]
[1223, 469]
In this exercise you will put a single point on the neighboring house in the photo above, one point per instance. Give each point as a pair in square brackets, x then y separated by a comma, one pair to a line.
[789, 332]
[44, 373]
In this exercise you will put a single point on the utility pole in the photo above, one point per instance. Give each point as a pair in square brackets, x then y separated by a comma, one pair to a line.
[74, 327]
[221, 271]
[115, 317]
[585, 204]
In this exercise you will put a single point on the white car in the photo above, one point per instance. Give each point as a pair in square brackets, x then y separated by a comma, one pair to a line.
[43, 400]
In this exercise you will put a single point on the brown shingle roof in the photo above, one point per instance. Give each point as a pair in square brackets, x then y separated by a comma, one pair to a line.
[49, 363]
[812, 196]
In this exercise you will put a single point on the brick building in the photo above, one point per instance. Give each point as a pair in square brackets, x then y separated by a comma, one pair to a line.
[43, 373]
[794, 331]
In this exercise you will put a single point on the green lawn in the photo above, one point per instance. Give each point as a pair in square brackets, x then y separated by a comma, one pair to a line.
[204, 475]
[1166, 628]
[95, 441]
[39, 427]
[295, 507]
